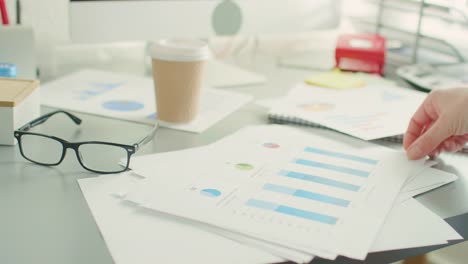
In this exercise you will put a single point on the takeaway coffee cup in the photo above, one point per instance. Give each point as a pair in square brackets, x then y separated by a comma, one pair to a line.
[178, 66]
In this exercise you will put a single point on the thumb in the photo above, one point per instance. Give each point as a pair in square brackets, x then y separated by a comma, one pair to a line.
[430, 140]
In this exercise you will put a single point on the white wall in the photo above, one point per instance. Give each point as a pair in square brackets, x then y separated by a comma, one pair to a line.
[49, 19]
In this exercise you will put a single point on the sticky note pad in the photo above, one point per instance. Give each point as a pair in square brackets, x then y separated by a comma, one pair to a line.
[7, 70]
[336, 80]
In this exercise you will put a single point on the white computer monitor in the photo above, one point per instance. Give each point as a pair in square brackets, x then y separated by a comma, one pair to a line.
[94, 21]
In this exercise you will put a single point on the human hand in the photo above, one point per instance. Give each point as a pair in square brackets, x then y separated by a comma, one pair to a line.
[440, 124]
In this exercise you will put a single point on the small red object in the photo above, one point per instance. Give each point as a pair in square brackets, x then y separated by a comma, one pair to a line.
[4, 12]
[360, 52]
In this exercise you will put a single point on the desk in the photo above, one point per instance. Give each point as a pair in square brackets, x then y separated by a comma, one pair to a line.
[45, 218]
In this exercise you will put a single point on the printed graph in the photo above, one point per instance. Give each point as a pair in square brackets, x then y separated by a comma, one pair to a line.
[316, 185]
[95, 89]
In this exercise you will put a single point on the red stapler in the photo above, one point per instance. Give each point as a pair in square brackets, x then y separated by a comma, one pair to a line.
[360, 52]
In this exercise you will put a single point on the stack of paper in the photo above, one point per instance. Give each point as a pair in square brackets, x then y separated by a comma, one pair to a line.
[278, 192]
[132, 98]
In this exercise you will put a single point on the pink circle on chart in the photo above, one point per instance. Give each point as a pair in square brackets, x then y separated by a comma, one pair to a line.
[271, 145]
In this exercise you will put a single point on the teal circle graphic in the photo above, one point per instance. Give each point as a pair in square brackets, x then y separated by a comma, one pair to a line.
[123, 105]
[210, 192]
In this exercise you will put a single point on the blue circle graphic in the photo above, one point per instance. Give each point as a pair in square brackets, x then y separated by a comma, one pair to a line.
[123, 106]
[210, 192]
[152, 116]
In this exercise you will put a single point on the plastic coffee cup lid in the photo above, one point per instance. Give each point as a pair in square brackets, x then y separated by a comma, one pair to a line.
[180, 50]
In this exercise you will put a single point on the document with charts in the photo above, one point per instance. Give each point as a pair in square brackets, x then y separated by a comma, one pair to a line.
[371, 112]
[128, 97]
[284, 186]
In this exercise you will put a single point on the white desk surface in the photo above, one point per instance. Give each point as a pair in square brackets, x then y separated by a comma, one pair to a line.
[45, 219]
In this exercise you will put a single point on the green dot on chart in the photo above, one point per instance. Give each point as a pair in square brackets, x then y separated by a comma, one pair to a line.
[244, 166]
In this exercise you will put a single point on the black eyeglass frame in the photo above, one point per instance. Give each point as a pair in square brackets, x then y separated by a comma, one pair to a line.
[130, 149]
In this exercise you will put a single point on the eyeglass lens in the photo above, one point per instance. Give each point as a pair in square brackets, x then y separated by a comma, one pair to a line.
[41, 149]
[103, 157]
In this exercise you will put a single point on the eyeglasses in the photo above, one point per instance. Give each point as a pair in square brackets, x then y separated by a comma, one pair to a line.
[95, 156]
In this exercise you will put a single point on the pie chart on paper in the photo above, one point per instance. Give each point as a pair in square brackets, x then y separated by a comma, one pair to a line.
[210, 192]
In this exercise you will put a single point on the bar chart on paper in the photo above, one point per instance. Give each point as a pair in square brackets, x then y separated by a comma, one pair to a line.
[312, 190]
[285, 186]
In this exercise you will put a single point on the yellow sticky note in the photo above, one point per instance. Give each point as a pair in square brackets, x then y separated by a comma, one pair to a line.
[336, 80]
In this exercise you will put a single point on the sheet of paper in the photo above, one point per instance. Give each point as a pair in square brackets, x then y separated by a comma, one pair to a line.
[140, 197]
[371, 112]
[405, 227]
[423, 181]
[131, 98]
[428, 179]
[283, 199]
[394, 232]
[406, 217]
[410, 225]
[133, 233]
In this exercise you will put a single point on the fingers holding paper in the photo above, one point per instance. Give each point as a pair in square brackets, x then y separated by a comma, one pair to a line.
[439, 124]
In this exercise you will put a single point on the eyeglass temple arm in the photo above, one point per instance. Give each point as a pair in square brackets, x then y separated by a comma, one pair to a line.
[45, 117]
[147, 138]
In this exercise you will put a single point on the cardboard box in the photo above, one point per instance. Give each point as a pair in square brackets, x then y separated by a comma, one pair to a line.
[19, 104]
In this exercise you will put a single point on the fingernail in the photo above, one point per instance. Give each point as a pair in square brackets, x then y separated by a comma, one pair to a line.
[414, 152]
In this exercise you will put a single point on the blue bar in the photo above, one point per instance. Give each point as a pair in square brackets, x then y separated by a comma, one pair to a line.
[321, 165]
[322, 198]
[320, 180]
[326, 219]
[306, 194]
[341, 155]
[279, 188]
[262, 204]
